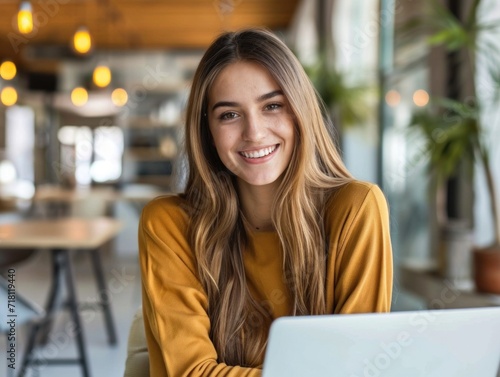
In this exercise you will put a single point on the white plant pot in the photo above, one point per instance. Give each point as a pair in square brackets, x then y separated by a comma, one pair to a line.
[455, 252]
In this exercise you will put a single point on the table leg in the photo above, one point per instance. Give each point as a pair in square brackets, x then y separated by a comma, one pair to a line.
[54, 293]
[104, 299]
[75, 316]
[29, 349]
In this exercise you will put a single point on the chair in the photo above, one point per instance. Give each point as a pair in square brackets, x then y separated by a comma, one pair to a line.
[137, 362]
[26, 312]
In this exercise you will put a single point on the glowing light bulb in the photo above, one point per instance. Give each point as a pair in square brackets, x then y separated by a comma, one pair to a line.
[101, 76]
[119, 97]
[8, 96]
[25, 18]
[392, 98]
[8, 70]
[79, 96]
[82, 42]
[421, 97]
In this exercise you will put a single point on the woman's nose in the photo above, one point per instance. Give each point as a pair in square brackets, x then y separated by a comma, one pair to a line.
[254, 128]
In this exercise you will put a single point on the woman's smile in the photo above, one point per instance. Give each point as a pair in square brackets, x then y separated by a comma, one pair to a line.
[259, 155]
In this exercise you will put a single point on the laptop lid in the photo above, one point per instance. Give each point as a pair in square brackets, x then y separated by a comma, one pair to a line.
[427, 343]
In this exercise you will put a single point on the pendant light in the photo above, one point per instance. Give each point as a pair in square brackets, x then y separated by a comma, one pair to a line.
[79, 96]
[8, 96]
[8, 70]
[25, 18]
[119, 97]
[420, 98]
[102, 73]
[82, 42]
[101, 76]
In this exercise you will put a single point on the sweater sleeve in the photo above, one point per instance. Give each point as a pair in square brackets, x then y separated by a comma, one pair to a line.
[174, 303]
[363, 262]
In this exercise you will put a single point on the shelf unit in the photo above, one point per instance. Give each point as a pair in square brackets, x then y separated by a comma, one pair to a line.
[152, 131]
[150, 153]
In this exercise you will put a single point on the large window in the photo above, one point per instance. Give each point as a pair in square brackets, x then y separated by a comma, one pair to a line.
[90, 155]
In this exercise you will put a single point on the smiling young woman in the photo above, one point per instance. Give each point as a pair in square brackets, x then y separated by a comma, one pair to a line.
[271, 222]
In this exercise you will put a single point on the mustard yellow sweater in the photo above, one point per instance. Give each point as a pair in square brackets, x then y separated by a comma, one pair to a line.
[359, 277]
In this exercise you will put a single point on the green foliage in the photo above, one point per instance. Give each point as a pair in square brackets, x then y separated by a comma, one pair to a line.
[452, 129]
[445, 30]
[349, 103]
[451, 133]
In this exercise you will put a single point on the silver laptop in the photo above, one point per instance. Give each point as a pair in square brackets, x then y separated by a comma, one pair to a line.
[428, 343]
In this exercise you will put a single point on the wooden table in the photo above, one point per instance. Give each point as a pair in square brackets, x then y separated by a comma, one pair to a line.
[60, 236]
[58, 200]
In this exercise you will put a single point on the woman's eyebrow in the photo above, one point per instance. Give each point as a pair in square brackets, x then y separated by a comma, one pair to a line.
[272, 94]
[261, 98]
[224, 103]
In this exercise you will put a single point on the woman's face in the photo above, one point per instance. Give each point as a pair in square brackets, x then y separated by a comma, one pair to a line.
[251, 123]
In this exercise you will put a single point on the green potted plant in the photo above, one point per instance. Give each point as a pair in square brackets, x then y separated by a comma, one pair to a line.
[453, 131]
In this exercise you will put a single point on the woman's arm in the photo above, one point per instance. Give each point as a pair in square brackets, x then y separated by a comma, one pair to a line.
[361, 249]
[174, 303]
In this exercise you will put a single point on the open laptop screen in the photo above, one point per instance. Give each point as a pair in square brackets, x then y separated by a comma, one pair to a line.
[427, 343]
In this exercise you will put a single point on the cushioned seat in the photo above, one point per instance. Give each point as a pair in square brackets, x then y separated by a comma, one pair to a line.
[137, 363]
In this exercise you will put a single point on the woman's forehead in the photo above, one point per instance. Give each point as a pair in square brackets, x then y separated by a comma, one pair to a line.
[242, 80]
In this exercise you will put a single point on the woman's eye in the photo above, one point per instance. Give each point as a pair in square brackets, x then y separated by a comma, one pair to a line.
[227, 116]
[273, 106]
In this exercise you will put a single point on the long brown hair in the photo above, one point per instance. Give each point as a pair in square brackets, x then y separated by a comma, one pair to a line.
[217, 231]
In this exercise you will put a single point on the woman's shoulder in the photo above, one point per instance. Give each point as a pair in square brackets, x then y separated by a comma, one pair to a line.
[169, 202]
[354, 195]
[165, 210]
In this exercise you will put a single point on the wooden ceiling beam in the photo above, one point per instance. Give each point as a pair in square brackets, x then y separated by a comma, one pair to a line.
[140, 24]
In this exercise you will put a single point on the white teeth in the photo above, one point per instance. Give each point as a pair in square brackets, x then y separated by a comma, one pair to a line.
[260, 153]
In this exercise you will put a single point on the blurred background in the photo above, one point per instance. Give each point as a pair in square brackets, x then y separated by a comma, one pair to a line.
[92, 101]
